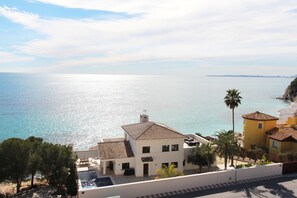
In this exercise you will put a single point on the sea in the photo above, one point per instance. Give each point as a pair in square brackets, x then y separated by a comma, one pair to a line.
[80, 109]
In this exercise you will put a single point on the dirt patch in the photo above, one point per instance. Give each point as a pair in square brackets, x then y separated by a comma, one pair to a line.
[8, 188]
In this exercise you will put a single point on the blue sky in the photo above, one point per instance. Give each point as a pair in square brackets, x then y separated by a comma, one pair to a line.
[194, 37]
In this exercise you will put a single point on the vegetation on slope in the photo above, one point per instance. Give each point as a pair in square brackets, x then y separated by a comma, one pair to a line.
[291, 91]
[22, 158]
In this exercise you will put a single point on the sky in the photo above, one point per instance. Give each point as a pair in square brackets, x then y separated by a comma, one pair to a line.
[193, 37]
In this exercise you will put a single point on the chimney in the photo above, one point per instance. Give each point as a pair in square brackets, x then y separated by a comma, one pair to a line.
[144, 117]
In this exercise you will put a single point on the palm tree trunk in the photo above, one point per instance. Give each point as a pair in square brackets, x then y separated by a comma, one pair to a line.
[225, 159]
[232, 157]
[233, 120]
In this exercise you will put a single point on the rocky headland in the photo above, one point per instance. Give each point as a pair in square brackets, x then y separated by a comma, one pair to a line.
[291, 92]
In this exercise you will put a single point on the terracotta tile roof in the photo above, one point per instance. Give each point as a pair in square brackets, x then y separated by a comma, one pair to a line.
[285, 134]
[114, 150]
[151, 131]
[280, 136]
[272, 131]
[259, 116]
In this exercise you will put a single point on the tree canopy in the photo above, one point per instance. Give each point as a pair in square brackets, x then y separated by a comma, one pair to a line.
[203, 155]
[22, 158]
[169, 171]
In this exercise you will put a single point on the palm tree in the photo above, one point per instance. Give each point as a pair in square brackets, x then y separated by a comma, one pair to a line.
[234, 150]
[196, 157]
[224, 144]
[232, 100]
[203, 155]
[209, 154]
[169, 171]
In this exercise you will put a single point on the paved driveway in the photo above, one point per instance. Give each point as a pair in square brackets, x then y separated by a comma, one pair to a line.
[284, 187]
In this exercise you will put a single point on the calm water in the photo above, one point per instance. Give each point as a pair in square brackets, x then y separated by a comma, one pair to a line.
[81, 109]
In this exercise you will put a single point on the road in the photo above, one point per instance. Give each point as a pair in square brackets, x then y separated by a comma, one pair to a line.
[284, 187]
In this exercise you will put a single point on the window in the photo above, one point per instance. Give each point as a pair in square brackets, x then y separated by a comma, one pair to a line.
[165, 148]
[274, 144]
[174, 147]
[146, 149]
[165, 165]
[125, 166]
[175, 164]
[260, 125]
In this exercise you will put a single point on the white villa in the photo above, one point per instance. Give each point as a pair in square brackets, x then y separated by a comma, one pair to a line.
[145, 147]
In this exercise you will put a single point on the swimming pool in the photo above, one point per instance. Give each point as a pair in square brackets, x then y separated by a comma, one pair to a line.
[89, 179]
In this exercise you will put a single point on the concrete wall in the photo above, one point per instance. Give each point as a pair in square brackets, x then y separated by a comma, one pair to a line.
[159, 186]
[138, 189]
[259, 171]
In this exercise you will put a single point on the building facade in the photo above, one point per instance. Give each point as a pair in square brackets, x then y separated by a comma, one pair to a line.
[146, 147]
[262, 130]
[255, 126]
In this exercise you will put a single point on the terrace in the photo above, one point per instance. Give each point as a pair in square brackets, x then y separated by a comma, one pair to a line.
[91, 173]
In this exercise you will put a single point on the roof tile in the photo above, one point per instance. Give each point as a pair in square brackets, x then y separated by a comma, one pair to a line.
[151, 130]
[259, 116]
[114, 150]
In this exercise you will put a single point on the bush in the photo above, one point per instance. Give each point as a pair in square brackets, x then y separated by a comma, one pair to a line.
[239, 166]
[248, 165]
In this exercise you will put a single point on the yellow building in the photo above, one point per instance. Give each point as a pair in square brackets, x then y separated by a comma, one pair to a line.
[284, 140]
[255, 126]
[261, 130]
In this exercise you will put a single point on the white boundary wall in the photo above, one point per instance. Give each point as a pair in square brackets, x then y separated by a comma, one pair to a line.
[259, 171]
[151, 187]
[159, 186]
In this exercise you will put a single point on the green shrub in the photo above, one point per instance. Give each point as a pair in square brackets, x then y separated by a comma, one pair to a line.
[239, 166]
[248, 165]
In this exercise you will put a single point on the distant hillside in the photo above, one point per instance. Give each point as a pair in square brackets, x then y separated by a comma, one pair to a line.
[250, 76]
[291, 91]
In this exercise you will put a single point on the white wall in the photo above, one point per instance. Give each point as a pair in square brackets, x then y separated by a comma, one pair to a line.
[182, 182]
[117, 167]
[159, 186]
[159, 157]
[115, 139]
[259, 171]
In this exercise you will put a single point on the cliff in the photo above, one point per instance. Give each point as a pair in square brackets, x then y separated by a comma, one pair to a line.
[291, 91]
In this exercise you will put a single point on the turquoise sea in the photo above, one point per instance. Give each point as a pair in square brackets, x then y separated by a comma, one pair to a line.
[81, 109]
